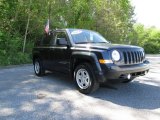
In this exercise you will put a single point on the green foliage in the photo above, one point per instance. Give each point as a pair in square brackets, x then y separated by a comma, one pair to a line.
[148, 38]
[152, 47]
[10, 50]
[13, 59]
[112, 18]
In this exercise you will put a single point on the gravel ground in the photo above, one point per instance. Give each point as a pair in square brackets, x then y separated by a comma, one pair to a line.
[24, 96]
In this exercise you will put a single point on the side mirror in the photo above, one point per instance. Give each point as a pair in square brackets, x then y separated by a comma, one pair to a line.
[61, 41]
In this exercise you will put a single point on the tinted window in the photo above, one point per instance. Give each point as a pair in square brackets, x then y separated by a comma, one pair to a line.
[47, 39]
[52, 41]
[39, 41]
[60, 35]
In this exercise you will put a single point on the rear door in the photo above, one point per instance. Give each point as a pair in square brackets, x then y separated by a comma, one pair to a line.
[45, 50]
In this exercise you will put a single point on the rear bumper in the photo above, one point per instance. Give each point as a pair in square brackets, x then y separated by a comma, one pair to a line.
[119, 73]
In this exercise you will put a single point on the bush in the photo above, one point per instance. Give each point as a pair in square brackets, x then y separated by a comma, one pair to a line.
[152, 48]
[148, 38]
[11, 50]
[18, 58]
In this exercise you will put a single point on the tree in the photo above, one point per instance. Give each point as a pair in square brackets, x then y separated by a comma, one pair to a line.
[149, 38]
[22, 21]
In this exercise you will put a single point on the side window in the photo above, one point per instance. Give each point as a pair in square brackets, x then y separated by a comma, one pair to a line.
[47, 39]
[39, 41]
[52, 41]
[60, 36]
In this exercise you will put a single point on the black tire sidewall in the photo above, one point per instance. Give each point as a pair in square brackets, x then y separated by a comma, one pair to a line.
[41, 70]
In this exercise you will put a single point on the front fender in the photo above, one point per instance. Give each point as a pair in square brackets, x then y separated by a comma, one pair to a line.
[88, 56]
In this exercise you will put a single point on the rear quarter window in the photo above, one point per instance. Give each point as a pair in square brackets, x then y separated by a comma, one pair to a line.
[47, 39]
[39, 41]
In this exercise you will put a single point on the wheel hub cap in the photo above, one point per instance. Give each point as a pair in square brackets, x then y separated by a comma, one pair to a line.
[83, 79]
[37, 67]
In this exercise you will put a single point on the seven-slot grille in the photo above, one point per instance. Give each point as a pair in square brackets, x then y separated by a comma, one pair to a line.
[133, 57]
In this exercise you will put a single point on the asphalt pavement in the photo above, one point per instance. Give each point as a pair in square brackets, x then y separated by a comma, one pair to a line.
[24, 96]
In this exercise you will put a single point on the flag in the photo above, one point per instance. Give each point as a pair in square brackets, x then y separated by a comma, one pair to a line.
[47, 27]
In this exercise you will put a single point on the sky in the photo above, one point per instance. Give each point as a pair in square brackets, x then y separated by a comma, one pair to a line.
[147, 12]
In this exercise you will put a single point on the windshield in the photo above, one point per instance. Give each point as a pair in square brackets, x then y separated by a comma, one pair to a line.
[86, 36]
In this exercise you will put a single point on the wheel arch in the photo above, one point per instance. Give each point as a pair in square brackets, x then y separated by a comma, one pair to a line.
[82, 57]
[35, 56]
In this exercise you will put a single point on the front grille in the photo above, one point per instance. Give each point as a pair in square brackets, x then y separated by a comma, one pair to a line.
[132, 57]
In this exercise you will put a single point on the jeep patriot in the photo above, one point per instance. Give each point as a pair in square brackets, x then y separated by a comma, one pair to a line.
[88, 58]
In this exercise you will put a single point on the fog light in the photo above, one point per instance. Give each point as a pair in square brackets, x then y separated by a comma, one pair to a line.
[145, 72]
[129, 76]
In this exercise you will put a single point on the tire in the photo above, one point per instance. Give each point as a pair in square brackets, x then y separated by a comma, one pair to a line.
[38, 67]
[84, 78]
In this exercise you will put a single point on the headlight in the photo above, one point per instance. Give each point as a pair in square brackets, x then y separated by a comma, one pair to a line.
[115, 55]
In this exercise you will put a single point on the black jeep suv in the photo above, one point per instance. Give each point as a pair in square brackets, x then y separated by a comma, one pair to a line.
[88, 57]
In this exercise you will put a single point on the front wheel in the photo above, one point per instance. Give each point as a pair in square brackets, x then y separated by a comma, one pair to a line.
[85, 79]
[38, 67]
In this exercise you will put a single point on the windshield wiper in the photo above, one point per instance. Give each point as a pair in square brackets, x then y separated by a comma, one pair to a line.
[83, 42]
[101, 42]
[89, 42]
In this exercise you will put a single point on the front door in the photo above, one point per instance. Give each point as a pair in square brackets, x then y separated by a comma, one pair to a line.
[60, 56]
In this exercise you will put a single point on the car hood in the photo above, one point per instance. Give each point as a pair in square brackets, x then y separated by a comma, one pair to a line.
[107, 46]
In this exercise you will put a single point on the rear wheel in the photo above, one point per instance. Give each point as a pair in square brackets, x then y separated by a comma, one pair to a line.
[38, 67]
[85, 79]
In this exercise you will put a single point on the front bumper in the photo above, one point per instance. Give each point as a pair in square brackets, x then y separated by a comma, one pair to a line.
[119, 73]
